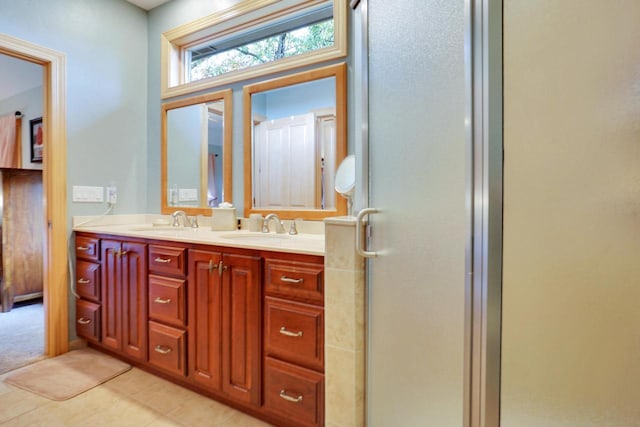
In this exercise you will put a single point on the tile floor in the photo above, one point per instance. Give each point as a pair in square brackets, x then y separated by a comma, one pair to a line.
[134, 398]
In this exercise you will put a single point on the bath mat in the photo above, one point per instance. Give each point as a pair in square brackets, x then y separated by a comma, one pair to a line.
[67, 375]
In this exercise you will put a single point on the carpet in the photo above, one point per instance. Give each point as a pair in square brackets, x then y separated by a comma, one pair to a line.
[21, 335]
[67, 375]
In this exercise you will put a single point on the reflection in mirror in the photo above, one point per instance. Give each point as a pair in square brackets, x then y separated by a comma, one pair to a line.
[196, 153]
[295, 136]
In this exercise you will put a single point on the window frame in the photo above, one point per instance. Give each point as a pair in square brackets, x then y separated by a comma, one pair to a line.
[244, 16]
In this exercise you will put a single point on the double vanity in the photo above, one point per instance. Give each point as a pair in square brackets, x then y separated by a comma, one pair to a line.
[235, 315]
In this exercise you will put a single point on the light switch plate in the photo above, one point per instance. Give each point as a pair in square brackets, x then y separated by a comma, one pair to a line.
[86, 194]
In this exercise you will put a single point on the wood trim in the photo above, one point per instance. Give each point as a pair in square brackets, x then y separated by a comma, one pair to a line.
[227, 148]
[339, 71]
[54, 187]
[204, 156]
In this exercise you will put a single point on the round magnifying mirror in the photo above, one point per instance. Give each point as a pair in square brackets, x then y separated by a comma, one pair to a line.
[345, 182]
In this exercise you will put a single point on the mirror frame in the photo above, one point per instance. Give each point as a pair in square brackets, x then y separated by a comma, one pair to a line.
[223, 95]
[339, 71]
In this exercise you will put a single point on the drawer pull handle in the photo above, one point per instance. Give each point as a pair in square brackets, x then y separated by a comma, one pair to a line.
[83, 248]
[84, 321]
[291, 280]
[82, 281]
[163, 260]
[162, 300]
[162, 350]
[288, 333]
[285, 396]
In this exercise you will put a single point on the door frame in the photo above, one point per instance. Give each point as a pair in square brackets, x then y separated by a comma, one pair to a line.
[55, 272]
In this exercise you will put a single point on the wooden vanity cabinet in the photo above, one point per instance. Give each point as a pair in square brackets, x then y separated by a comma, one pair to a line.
[240, 325]
[87, 286]
[294, 339]
[124, 297]
[224, 305]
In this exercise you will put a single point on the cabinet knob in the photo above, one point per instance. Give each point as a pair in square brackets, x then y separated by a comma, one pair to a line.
[162, 300]
[84, 321]
[83, 281]
[291, 280]
[83, 248]
[163, 260]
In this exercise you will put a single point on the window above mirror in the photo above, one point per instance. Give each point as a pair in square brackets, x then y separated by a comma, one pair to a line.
[251, 39]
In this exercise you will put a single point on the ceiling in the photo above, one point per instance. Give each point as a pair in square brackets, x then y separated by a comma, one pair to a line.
[147, 4]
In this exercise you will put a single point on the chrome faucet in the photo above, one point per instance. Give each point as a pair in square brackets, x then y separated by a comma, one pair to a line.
[185, 220]
[279, 224]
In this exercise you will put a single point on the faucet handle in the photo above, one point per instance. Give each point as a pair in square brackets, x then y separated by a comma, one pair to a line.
[194, 222]
[293, 230]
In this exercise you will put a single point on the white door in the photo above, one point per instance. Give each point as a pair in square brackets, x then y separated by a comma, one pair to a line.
[284, 156]
[416, 288]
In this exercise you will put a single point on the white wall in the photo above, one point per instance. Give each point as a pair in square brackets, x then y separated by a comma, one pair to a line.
[105, 43]
[571, 290]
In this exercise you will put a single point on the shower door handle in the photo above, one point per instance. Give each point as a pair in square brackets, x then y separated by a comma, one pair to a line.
[360, 243]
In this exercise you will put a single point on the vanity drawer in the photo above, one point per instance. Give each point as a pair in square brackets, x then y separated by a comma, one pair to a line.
[294, 393]
[87, 248]
[167, 348]
[294, 332]
[88, 320]
[88, 280]
[167, 301]
[167, 260]
[294, 279]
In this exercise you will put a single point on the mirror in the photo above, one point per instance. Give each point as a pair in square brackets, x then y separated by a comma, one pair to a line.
[295, 136]
[196, 153]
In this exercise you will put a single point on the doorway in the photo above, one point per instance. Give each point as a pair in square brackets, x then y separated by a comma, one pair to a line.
[55, 273]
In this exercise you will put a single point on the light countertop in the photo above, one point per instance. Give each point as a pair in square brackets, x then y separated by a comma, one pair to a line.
[143, 227]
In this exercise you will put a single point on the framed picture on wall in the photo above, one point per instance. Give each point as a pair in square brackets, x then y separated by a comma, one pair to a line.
[37, 143]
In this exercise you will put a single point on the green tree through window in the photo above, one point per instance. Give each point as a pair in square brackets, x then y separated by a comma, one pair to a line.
[295, 42]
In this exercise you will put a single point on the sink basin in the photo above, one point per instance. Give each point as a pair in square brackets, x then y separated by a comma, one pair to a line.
[255, 236]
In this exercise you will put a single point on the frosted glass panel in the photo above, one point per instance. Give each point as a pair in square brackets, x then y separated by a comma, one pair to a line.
[571, 317]
[417, 179]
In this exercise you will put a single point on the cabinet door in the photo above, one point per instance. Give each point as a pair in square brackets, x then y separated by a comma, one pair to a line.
[133, 262]
[205, 318]
[124, 297]
[111, 306]
[241, 328]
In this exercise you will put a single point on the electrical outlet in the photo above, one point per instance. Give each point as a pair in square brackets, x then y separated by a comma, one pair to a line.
[86, 194]
[112, 194]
